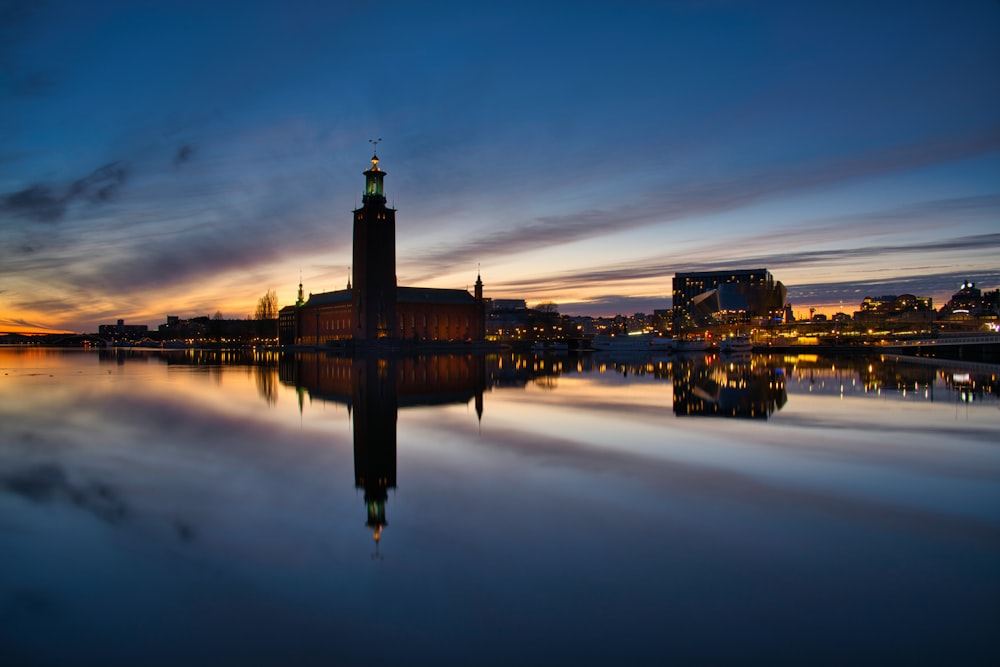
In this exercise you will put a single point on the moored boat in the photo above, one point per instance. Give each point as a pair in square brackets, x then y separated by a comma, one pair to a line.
[736, 344]
[690, 344]
[638, 342]
[549, 346]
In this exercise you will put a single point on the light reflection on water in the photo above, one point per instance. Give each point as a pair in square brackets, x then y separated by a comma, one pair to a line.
[196, 507]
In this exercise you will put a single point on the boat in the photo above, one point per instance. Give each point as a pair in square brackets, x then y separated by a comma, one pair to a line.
[736, 344]
[634, 342]
[690, 344]
[550, 346]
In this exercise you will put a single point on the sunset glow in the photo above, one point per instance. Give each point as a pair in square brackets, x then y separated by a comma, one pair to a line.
[184, 159]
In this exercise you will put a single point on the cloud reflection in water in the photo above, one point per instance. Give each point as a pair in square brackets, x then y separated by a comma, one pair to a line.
[583, 521]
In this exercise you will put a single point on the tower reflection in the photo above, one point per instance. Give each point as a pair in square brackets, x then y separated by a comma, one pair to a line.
[375, 404]
[374, 388]
[747, 387]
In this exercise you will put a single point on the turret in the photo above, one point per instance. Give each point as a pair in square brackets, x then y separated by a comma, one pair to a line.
[374, 188]
[374, 285]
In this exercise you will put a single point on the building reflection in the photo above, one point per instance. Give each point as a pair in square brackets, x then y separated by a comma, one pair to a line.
[906, 377]
[375, 403]
[740, 387]
[374, 388]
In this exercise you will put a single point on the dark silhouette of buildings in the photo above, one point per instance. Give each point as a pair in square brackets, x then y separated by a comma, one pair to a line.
[970, 301]
[375, 309]
[707, 298]
[216, 330]
[122, 333]
[905, 307]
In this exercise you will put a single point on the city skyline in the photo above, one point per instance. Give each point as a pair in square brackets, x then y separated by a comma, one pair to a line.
[186, 159]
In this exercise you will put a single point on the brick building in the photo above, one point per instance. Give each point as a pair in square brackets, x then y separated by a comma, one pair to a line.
[374, 309]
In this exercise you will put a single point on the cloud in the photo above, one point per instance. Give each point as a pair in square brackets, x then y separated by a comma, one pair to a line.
[814, 257]
[173, 228]
[850, 294]
[212, 246]
[693, 481]
[48, 203]
[788, 259]
[184, 154]
[603, 305]
[675, 201]
[19, 324]
[36, 201]
[849, 289]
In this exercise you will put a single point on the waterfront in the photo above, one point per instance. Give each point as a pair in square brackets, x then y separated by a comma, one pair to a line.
[217, 508]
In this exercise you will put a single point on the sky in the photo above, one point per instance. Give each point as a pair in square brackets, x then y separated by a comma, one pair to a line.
[184, 158]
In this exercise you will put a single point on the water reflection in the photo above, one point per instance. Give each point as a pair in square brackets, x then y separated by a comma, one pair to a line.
[743, 386]
[738, 386]
[903, 377]
[261, 364]
[45, 483]
[151, 496]
[374, 388]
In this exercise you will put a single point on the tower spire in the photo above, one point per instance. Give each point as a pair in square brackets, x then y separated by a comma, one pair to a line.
[374, 189]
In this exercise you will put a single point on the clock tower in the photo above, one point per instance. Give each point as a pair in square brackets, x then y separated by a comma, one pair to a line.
[374, 289]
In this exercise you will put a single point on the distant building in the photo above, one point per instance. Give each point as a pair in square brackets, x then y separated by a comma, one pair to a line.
[991, 304]
[894, 305]
[176, 328]
[374, 309]
[892, 309]
[972, 306]
[508, 304]
[581, 325]
[122, 332]
[217, 330]
[707, 298]
[510, 320]
[663, 320]
[968, 300]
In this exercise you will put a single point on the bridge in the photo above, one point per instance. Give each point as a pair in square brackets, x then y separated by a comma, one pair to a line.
[58, 339]
[946, 341]
[976, 347]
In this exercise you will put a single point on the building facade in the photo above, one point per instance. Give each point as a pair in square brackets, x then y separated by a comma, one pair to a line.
[893, 309]
[706, 298]
[122, 332]
[972, 305]
[373, 308]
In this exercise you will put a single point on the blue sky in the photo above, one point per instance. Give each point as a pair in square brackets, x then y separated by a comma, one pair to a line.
[170, 157]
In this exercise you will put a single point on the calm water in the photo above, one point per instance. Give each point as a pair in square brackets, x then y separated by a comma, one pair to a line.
[198, 508]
